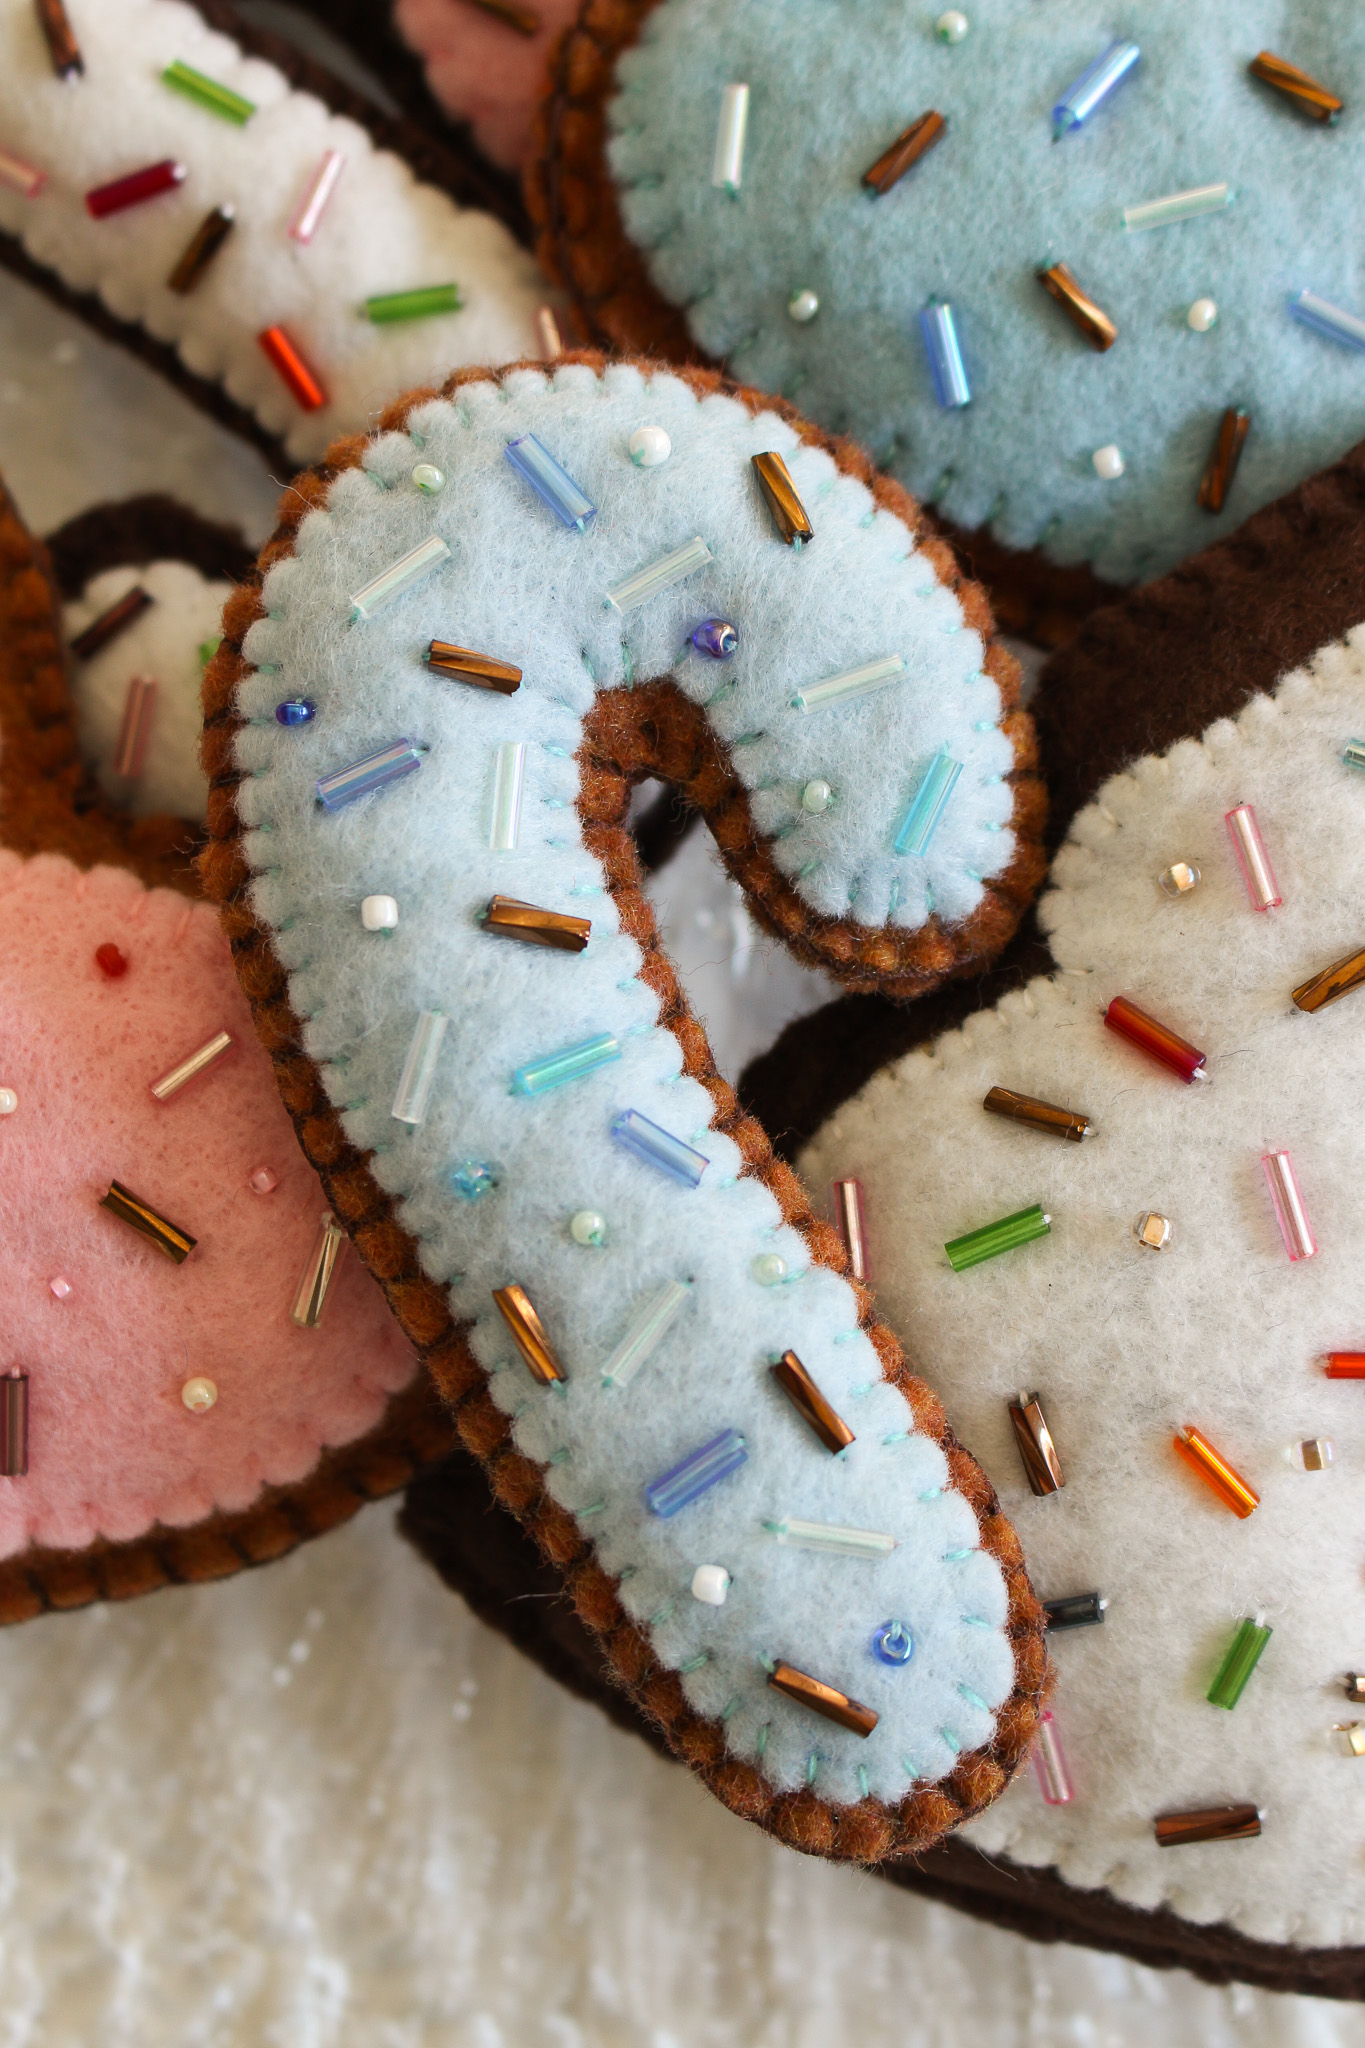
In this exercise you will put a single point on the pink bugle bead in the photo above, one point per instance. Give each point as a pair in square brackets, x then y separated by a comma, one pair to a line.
[313, 204]
[1290, 1213]
[1050, 1764]
[19, 176]
[134, 734]
[59, 1286]
[1262, 887]
[850, 1217]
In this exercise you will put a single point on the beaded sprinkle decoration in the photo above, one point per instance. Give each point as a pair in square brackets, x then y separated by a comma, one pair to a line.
[662, 1347]
[895, 303]
[1184, 1436]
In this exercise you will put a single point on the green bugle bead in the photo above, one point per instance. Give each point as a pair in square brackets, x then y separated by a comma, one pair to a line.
[1243, 1655]
[994, 1238]
[207, 92]
[414, 305]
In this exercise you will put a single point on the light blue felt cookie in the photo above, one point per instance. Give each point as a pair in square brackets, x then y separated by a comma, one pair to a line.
[660, 1273]
[832, 83]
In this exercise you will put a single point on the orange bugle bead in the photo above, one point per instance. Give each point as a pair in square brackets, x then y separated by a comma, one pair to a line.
[1346, 1365]
[1216, 1472]
[293, 369]
[1157, 1040]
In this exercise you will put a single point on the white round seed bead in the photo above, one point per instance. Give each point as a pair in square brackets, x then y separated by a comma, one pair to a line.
[587, 1226]
[951, 27]
[803, 305]
[1108, 462]
[1202, 315]
[649, 446]
[9, 1102]
[769, 1268]
[429, 479]
[198, 1395]
[379, 913]
[711, 1583]
[817, 796]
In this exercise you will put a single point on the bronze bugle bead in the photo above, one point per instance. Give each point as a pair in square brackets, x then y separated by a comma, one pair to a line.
[203, 245]
[1334, 982]
[852, 1222]
[110, 624]
[1222, 463]
[522, 19]
[138, 1215]
[907, 149]
[1092, 320]
[1355, 1687]
[779, 492]
[63, 48]
[468, 667]
[1304, 90]
[1208, 1824]
[823, 1699]
[1039, 1116]
[528, 1333]
[14, 1424]
[517, 920]
[810, 1404]
[1036, 1448]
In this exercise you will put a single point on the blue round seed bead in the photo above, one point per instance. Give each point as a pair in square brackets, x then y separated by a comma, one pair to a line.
[717, 638]
[472, 1179]
[893, 1643]
[296, 711]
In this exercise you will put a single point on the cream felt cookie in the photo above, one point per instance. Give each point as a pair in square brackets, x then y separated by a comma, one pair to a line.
[421, 729]
[260, 246]
[196, 1374]
[1193, 1278]
[1086, 286]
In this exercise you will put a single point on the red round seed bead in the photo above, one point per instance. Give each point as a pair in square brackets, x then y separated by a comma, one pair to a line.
[110, 961]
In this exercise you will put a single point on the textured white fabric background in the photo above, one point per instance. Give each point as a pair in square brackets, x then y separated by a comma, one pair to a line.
[321, 1806]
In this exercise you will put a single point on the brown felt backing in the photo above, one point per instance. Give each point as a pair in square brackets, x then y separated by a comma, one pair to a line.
[448, 161]
[631, 735]
[136, 531]
[582, 242]
[1163, 663]
[50, 804]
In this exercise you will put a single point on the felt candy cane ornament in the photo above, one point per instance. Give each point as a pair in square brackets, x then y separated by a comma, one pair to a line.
[285, 265]
[972, 247]
[195, 1374]
[433, 706]
[1187, 680]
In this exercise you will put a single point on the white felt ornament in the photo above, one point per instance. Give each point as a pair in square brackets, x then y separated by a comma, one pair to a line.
[1220, 1330]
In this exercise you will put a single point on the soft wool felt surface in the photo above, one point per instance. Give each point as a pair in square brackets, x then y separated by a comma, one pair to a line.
[481, 70]
[383, 231]
[1221, 1330]
[994, 201]
[113, 1448]
[163, 643]
[518, 585]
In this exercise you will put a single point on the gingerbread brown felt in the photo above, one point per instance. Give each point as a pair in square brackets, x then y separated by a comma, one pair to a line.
[651, 730]
[452, 164]
[582, 242]
[136, 531]
[50, 804]
[1166, 661]
[486, 1556]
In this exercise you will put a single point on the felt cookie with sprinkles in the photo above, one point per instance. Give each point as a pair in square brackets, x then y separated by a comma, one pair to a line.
[195, 1372]
[1063, 277]
[474, 634]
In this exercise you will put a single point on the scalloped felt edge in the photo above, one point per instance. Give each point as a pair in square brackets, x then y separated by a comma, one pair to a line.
[867, 1831]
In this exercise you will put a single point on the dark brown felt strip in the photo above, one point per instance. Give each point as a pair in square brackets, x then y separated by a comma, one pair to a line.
[136, 531]
[582, 242]
[630, 736]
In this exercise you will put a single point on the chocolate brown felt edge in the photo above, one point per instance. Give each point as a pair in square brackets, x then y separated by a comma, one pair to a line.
[582, 242]
[631, 734]
[451, 164]
[1161, 665]
[50, 804]
[132, 532]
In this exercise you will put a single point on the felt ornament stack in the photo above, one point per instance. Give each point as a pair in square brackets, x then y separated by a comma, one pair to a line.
[1125, 1344]
[168, 1414]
